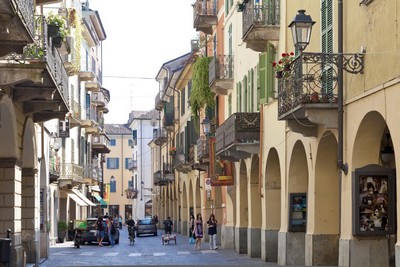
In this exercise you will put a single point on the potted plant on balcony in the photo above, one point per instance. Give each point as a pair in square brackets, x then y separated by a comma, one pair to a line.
[56, 28]
[172, 151]
[278, 68]
[33, 51]
[286, 60]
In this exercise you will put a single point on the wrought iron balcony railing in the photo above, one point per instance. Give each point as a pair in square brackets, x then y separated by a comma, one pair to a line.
[239, 136]
[90, 173]
[73, 172]
[203, 150]
[101, 143]
[180, 162]
[220, 74]
[159, 136]
[205, 15]
[310, 82]
[260, 24]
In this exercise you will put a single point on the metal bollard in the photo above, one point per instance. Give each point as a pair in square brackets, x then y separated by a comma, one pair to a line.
[5, 248]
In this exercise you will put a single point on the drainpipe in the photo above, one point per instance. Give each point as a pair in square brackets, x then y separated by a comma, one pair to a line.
[342, 165]
[122, 165]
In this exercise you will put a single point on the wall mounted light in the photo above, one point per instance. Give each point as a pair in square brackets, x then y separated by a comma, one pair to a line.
[387, 153]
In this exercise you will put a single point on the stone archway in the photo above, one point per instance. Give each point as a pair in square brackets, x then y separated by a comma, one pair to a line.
[323, 208]
[291, 246]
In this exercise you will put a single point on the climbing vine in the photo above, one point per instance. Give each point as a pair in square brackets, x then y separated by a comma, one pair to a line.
[201, 95]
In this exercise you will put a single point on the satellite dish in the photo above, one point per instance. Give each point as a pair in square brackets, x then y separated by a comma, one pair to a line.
[153, 122]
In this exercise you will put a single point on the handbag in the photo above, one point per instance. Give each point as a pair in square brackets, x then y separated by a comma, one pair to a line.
[191, 240]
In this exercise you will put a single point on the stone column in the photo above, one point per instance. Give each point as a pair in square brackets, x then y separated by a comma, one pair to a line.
[10, 207]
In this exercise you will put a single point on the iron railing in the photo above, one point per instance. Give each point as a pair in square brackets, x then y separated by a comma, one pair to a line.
[260, 15]
[220, 67]
[25, 10]
[312, 78]
[72, 171]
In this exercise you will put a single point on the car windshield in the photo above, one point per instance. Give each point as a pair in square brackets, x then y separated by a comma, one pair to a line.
[146, 221]
[91, 225]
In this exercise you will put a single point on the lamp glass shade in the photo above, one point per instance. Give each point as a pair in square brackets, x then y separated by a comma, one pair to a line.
[206, 123]
[56, 145]
[301, 29]
[112, 179]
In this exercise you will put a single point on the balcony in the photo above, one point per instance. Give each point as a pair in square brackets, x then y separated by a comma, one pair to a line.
[260, 24]
[74, 116]
[90, 174]
[132, 165]
[181, 162]
[307, 93]
[100, 143]
[220, 74]
[159, 136]
[71, 175]
[131, 193]
[238, 137]
[90, 122]
[37, 77]
[17, 21]
[205, 15]
[92, 86]
[203, 150]
[159, 105]
[164, 179]
[101, 101]
[87, 76]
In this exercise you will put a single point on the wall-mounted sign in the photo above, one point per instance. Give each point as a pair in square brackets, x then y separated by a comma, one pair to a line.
[221, 171]
[374, 201]
[63, 129]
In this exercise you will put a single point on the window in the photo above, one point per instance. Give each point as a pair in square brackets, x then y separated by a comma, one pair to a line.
[127, 163]
[113, 186]
[183, 102]
[245, 94]
[266, 74]
[112, 163]
[113, 142]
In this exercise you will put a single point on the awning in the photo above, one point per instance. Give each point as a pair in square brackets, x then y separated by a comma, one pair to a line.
[77, 199]
[82, 196]
[95, 188]
[103, 204]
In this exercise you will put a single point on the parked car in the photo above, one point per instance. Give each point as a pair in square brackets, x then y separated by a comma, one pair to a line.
[89, 235]
[146, 226]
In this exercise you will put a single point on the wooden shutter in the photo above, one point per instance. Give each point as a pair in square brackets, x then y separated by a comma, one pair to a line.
[263, 77]
[270, 72]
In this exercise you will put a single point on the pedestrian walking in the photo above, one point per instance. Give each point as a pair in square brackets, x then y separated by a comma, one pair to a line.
[111, 231]
[198, 230]
[168, 224]
[191, 228]
[100, 231]
[212, 231]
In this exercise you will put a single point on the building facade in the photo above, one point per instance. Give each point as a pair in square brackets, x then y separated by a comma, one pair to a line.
[309, 148]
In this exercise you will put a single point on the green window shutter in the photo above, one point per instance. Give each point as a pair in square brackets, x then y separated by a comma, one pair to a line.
[230, 104]
[327, 45]
[250, 86]
[270, 71]
[263, 77]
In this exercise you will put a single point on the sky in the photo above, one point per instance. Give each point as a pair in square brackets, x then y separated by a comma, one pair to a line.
[141, 36]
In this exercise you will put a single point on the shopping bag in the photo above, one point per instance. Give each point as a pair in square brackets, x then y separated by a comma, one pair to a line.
[192, 241]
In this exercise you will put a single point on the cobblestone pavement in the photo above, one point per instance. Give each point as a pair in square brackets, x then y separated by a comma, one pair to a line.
[148, 250]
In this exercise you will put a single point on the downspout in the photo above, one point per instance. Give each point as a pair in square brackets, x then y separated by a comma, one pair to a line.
[260, 185]
[141, 161]
[342, 166]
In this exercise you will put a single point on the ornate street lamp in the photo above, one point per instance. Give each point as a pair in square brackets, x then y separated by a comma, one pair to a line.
[301, 29]
[206, 123]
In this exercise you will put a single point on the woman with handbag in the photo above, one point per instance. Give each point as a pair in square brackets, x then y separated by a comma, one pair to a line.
[198, 230]
[212, 231]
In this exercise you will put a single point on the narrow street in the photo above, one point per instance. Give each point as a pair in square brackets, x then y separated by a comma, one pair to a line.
[148, 250]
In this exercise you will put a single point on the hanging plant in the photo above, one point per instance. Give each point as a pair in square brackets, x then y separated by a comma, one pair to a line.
[201, 95]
